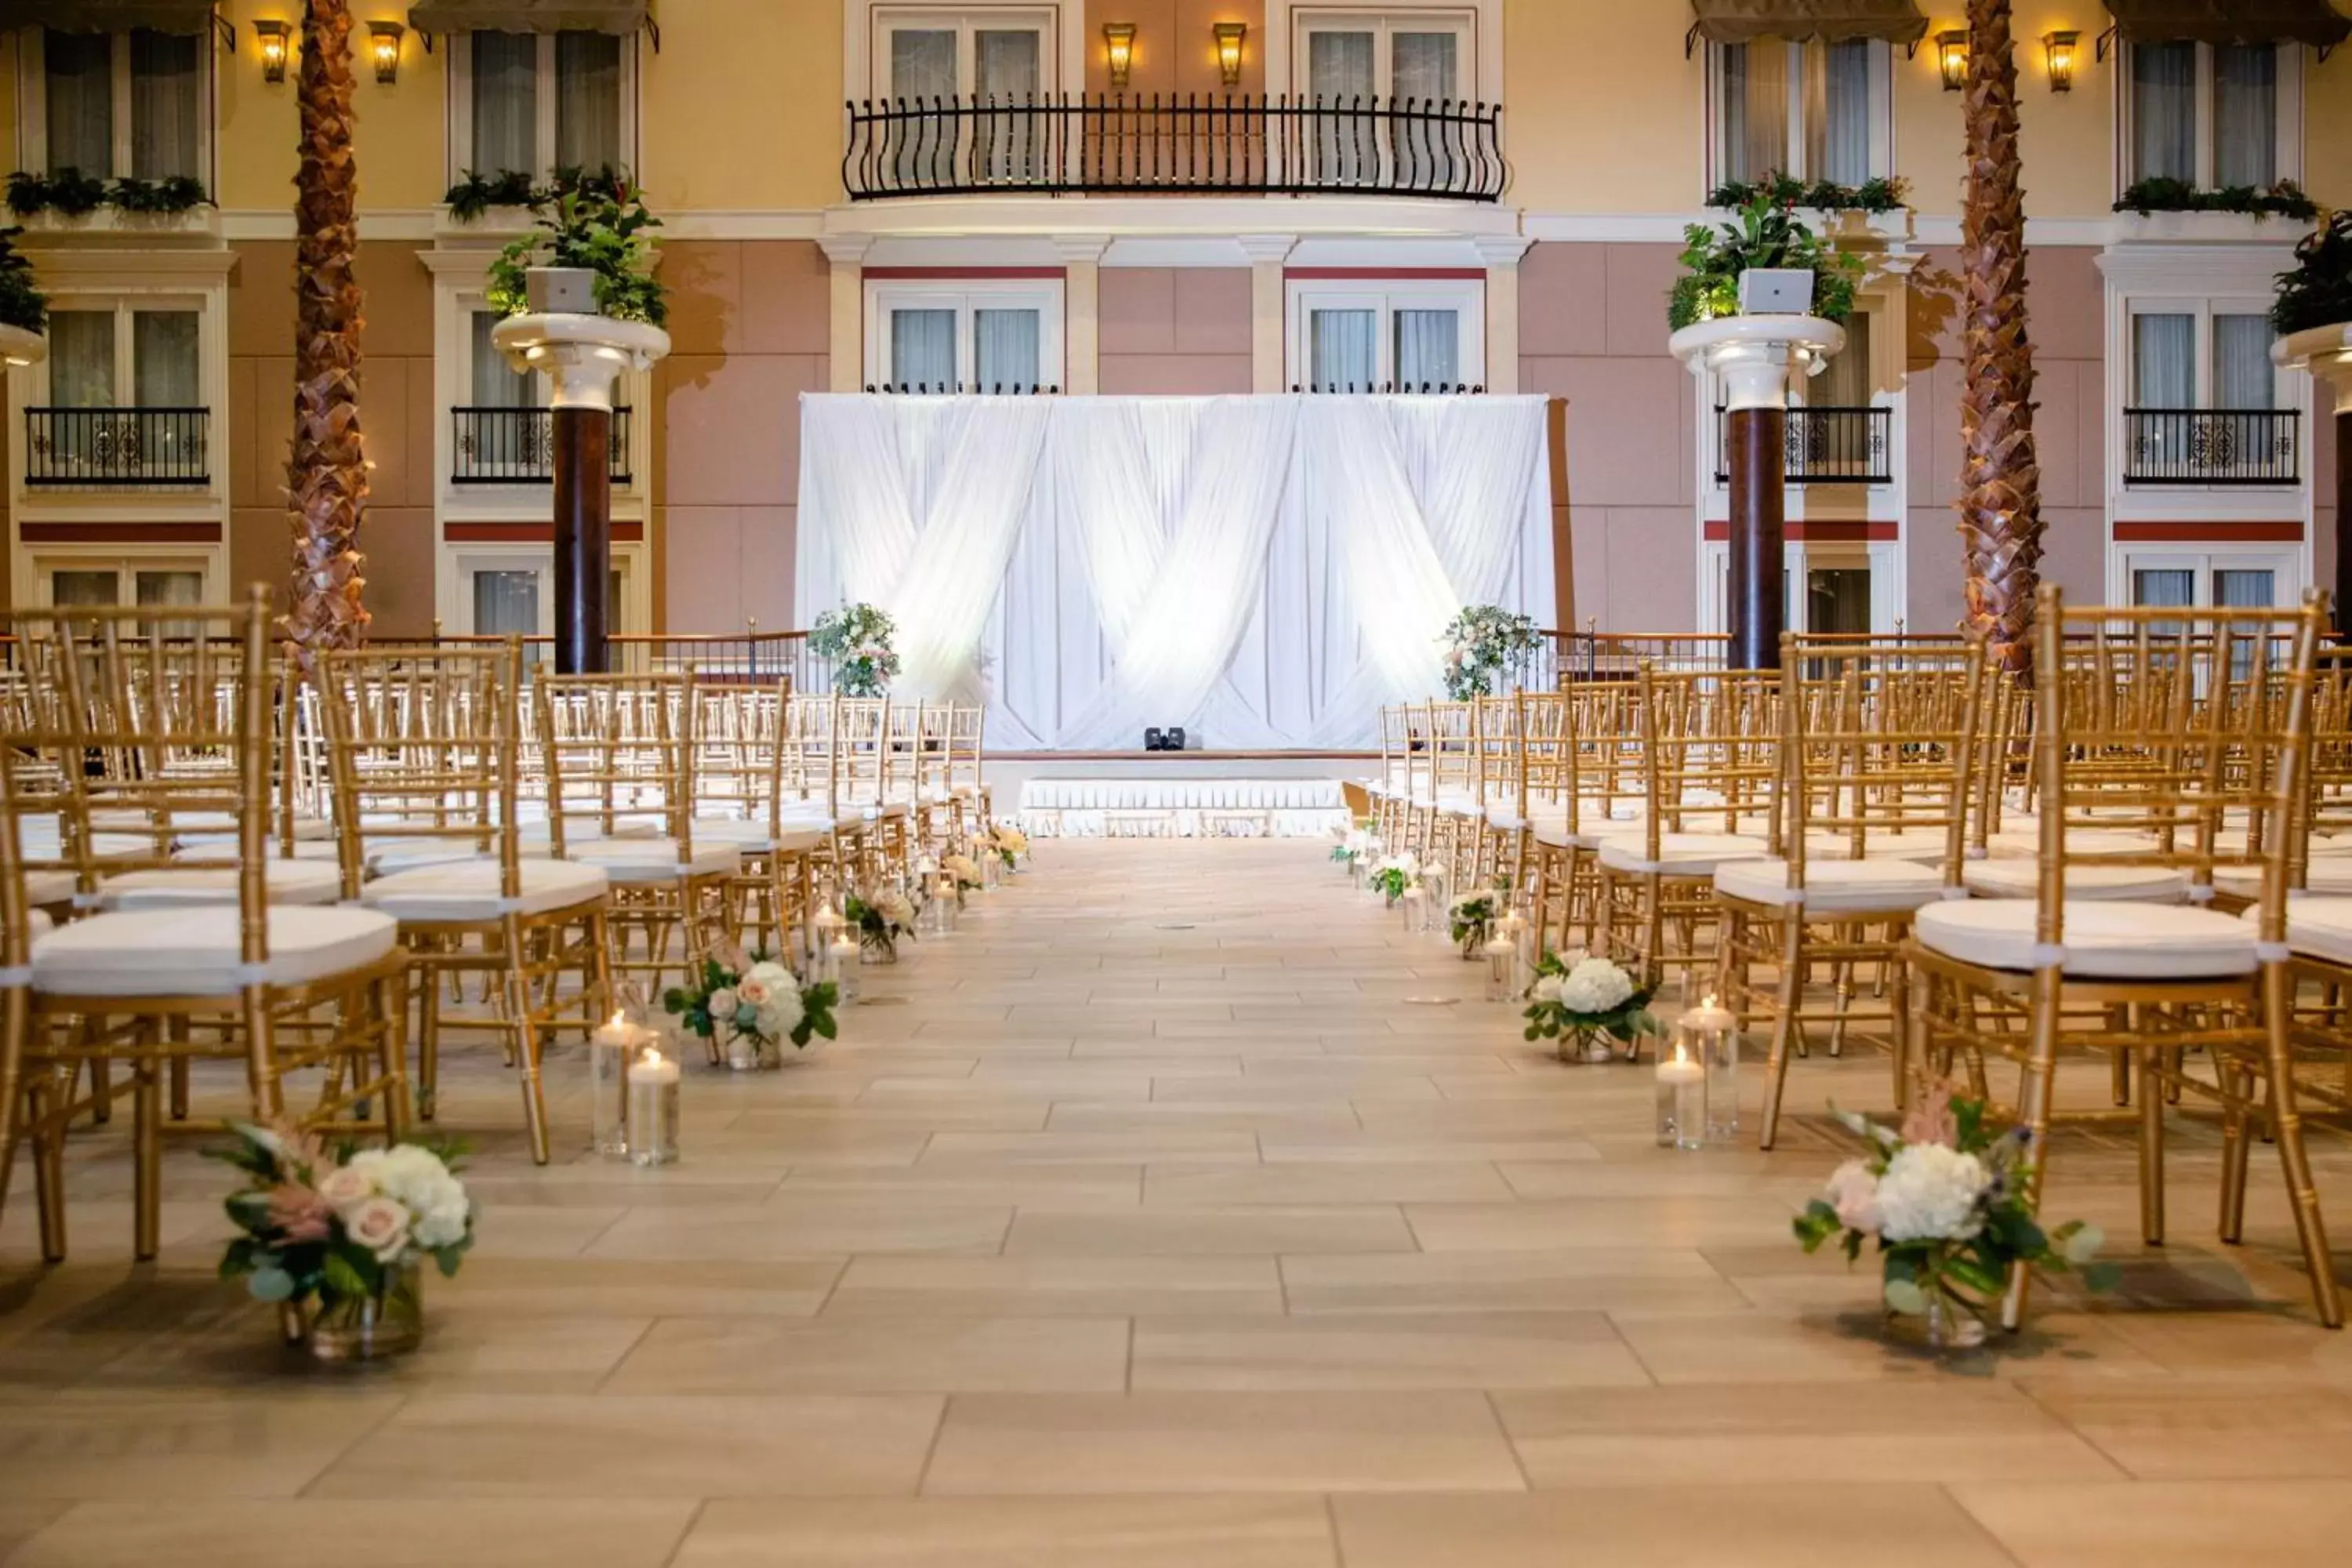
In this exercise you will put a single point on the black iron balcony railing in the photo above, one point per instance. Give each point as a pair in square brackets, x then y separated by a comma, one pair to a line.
[517, 447]
[1823, 446]
[2212, 445]
[1264, 145]
[115, 448]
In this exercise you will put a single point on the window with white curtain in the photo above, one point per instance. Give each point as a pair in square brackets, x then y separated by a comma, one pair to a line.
[165, 582]
[535, 102]
[124, 356]
[1424, 55]
[985, 51]
[2235, 578]
[112, 105]
[2213, 354]
[1815, 109]
[2211, 115]
[968, 335]
[1377, 334]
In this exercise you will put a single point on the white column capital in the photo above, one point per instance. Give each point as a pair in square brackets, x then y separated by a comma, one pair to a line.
[1756, 355]
[1501, 249]
[844, 250]
[1266, 249]
[1081, 249]
[581, 355]
[2326, 353]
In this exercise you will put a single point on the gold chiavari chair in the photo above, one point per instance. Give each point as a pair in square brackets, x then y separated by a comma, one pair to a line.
[1456, 817]
[631, 755]
[1498, 784]
[1707, 771]
[967, 785]
[1392, 790]
[1596, 791]
[1871, 809]
[175, 971]
[424, 749]
[867, 783]
[2059, 976]
[782, 836]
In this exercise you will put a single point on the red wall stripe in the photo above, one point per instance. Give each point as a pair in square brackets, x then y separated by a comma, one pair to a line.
[2288, 532]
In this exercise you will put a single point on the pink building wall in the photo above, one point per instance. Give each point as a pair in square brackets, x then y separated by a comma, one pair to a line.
[1171, 330]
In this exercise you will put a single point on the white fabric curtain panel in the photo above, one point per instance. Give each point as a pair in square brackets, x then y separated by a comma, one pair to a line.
[1837, 130]
[166, 90]
[1755, 108]
[2164, 361]
[2242, 374]
[496, 382]
[505, 103]
[1428, 349]
[81, 359]
[2164, 588]
[1343, 351]
[588, 100]
[2240, 589]
[1004, 350]
[923, 349]
[2164, 111]
[922, 63]
[78, 72]
[163, 360]
[1268, 569]
[1425, 65]
[2245, 114]
[1005, 63]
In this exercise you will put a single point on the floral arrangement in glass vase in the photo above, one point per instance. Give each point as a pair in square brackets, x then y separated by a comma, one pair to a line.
[1007, 842]
[857, 638]
[340, 1234]
[748, 1005]
[1470, 919]
[1395, 876]
[963, 871]
[1591, 1004]
[1947, 1199]
[1480, 643]
[880, 922]
[1358, 843]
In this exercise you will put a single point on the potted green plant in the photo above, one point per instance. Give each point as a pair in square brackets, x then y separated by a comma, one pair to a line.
[1765, 234]
[23, 309]
[2311, 313]
[590, 252]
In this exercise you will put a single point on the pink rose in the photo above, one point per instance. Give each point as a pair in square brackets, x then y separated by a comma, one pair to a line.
[1853, 1192]
[381, 1225]
[754, 992]
[300, 1213]
[342, 1188]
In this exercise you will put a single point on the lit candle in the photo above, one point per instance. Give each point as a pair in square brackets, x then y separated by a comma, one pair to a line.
[841, 952]
[1502, 970]
[1713, 1033]
[1681, 1100]
[609, 1050]
[653, 1109]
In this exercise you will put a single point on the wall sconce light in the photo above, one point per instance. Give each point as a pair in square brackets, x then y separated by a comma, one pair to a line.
[1118, 43]
[273, 35]
[2059, 49]
[1229, 51]
[1952, 59]
[383, 43]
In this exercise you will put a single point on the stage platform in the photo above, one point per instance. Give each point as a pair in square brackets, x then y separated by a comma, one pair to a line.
[1178, 795]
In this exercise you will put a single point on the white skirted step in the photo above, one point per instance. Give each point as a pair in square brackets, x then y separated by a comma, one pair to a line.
[1182, 808]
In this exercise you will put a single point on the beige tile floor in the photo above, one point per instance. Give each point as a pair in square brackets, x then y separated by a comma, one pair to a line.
[1154, 1220]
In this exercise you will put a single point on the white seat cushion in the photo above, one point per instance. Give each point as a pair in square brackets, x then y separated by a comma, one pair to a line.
[1834, 887]
[387, 857]
[49, 887]
[2023, 880]
[637, 860]
[2316, 927]
[469, 891]
[2328, 875]
[791, 840]
[1694, 854]
[210, 850]
[1919, 844]
[2026, 842]
[220, 828]
[290, 882]
[2103, 941]
[194, 952]
[37, 924]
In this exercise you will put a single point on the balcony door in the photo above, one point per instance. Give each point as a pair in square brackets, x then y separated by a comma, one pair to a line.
[1347, 59]
[965, 78]
[125, 399]
[2205, 405]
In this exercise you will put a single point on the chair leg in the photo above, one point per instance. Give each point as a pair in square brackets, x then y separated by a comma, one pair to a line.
[44, 1110]
[2237, 1143]
[2033, 1113]
[2295, 1161]
[2151, 1149]
[388, 1017]
[526, 1038]
[15, 1025]
[147, 1158]
[1787, 999]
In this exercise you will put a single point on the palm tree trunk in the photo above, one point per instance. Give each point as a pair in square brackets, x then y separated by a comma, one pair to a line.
[326, 479]
[2000, 479]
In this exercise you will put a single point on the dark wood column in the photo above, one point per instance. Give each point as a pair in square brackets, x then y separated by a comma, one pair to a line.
[1759, 596]
[583, 538]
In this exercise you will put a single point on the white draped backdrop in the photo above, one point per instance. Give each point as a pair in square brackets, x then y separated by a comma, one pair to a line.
[1263, 571]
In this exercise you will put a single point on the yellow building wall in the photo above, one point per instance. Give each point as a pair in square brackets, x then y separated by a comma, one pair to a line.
[400, 127]
[742, 108]
[1600, 111]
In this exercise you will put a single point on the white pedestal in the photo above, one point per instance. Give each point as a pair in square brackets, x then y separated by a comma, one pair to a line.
[582, 355]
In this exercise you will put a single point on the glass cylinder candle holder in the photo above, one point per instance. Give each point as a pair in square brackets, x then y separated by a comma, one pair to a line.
[611, 1049]
[1415, 904]
[841, 961]
[1709, 1035]
[1502, 970]
[1681, 1100]
[653, 1110]
[1520, 931]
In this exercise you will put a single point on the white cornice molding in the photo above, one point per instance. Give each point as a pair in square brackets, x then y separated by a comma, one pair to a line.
[1501, 249]
[277, 223]
[2140, 268]
[1266, 247]
[1081, 249]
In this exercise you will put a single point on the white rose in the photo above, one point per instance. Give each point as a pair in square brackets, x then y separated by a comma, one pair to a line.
[1930, 1193]
[722, 1003]
[381, 1225]
[1548, 989]
[345, 1186]
[1853, 1191]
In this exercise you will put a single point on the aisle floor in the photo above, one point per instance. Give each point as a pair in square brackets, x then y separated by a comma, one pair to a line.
[1177, 1211]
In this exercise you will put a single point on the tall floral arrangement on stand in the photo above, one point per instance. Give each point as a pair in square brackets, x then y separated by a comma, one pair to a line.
[857, 640]
[340, 1234]
[749, 1005]
[1592, 1004]
[1948, 1202]
[1480, 644]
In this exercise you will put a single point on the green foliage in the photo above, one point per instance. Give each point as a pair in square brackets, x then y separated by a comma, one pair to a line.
[1547, 1017]
[22, 303]
[1883, 195]
[1767, 234]
[77, 194]
[857, 639]
[600, 223]
[2318, 291]
[1480, 643]
[475, 193]
[2162, 194]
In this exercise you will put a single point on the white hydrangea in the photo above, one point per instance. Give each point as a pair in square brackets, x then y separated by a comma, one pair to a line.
[415, 1178]
[781, 1007]
[1595, 986]
[1931, 1192]
[1548, 988]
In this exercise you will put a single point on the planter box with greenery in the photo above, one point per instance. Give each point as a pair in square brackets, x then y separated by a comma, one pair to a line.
[1767, 234]
[2312, 311]
[23, 309]
[509, 201]
[70, 200]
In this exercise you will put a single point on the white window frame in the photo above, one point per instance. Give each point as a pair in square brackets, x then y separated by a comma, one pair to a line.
[2290, 116]
[630, 611]
[126, 562]
[1289, 21]
[1384, 23]
[2202, 308]
[868, 24]
[1881, 111]
[33, 106]
[2289, 565]
[123, 308]
[1467, 296]
[461, 107]
[966, 296]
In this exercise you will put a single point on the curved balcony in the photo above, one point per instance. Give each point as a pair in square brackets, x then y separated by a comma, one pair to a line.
[1095, 144]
